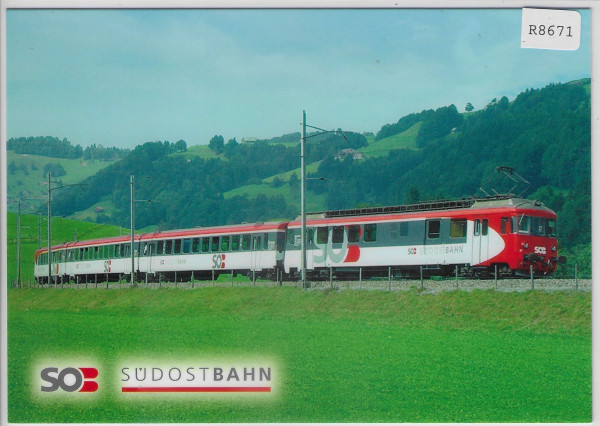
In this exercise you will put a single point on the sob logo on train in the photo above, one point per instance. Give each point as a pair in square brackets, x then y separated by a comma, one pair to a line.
[218, 261]
[69, 379]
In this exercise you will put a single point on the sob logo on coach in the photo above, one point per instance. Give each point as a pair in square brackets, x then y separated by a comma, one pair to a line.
[69, 379]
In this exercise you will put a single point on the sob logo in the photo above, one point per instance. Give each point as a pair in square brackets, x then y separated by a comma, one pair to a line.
[69, 379]
[218, 261]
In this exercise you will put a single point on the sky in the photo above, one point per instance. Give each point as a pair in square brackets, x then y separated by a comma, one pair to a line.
[125, 77]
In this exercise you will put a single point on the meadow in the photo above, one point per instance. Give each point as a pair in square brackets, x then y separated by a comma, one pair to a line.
[341, 356]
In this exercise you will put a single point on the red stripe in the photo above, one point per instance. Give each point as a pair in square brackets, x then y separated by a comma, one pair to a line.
[460, 213]
[200, 232]
[195, 389]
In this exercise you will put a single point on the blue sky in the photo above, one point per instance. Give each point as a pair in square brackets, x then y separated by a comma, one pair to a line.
[125, 77]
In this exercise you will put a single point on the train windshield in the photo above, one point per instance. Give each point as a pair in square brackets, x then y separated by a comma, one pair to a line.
[538, 226]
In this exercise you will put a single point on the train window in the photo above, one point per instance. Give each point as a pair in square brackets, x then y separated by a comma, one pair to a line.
[394, 231]
[370, 232]
[403, 229]
[265, 242]
[256, 243]
[337, 234]
[160, 247]
[551, 228]
[246, 242]
[111, 252]
[477, 227]
[504, 224]
[195, 245]
[322, 235]
[484, 227]
[177, 247]
[235, 243]
[187, 245]
[205, 244]
[458, 228]
[96, 253]
[433, 229]
[310, 235]
[353, 233]
[214, 244]
[168, 246]
[125, 250]
[224, 243]
[524, 224]
[144, 249]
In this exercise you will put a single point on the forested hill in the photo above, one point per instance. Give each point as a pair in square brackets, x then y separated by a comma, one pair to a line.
[544, 134]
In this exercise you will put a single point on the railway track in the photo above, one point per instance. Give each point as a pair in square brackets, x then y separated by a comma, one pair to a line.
[426, 286]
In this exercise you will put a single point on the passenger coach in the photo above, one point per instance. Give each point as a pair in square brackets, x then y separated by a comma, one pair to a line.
[179, 255]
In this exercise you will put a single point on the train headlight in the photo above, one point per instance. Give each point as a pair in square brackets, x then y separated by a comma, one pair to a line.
[526, 245]
[554, 248]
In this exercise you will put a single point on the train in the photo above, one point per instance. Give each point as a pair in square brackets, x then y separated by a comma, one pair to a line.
[502, 236]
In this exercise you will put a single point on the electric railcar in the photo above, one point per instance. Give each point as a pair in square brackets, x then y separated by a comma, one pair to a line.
[510, 236]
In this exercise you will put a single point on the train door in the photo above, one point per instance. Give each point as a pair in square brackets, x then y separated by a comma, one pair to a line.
[310, 239]
[476, 248]
[484, 246]
[256, 253]
[480, 250]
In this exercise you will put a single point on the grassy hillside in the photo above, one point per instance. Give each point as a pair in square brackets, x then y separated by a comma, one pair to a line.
[62, 230]
[29, 183]
[346, 356]
[201, 151]
[314, 202]
[381, 148]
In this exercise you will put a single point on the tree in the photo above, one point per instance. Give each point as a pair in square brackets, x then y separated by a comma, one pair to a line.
[55, 168]
[469, 107]
[277, 182]
[413, 196]
[181, 146]
[294, 182]
[217, 144]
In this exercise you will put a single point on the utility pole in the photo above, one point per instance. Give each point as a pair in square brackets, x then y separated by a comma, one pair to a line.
[303, 187]
[49, 228]
[49, 221]
[19, 244]
[303, 200]
[132, 231]
[39, 230]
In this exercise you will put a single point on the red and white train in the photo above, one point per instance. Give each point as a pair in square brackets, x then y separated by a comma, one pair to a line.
[507, 235]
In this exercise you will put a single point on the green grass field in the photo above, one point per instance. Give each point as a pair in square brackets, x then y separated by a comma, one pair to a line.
[348, 356]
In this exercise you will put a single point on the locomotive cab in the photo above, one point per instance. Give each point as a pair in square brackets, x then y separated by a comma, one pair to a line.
[537, 241]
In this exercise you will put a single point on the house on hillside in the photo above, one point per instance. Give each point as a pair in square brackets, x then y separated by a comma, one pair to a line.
[349, 152]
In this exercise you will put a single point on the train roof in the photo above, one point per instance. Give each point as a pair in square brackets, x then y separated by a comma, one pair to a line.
[190, 232]
[428, 208]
